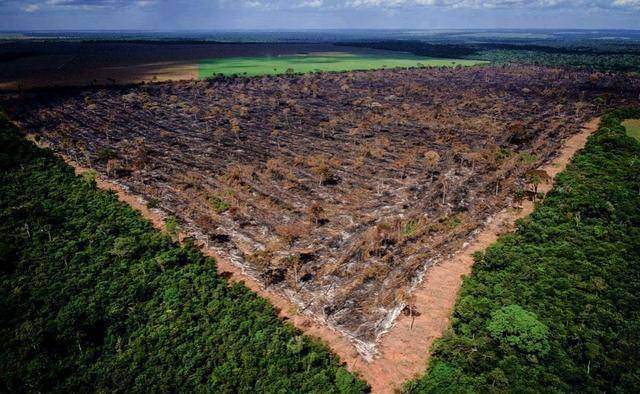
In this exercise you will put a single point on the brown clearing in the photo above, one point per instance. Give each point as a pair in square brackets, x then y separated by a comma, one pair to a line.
[337, 191]
[358, 182]
[404, 350]
[150, 72]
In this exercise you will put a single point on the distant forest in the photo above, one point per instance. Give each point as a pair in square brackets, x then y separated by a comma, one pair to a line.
[601, 57]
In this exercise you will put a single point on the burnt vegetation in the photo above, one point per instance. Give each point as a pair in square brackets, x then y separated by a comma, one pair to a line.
[337, 189]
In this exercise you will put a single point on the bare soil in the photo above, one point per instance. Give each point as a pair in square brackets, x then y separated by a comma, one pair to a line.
[335, 191]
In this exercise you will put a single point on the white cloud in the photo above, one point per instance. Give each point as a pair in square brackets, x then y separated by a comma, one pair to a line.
[280, 5]
[312, 3]
[628, 3]
[254, 4]
[387, 6]
[30, 8]
[490, 3]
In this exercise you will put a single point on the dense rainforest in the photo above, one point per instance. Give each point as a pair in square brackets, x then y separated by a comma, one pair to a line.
[555, 306]
[595, 57]
[92, 298]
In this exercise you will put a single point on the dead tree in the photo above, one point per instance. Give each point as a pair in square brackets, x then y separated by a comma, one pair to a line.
[535, 178]
[432, 158]
[315, 213]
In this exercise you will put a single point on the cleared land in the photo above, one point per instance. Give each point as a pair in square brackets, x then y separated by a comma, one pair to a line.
[402, 351]
[337, 61]
[29, 64]
[633, 127]
[337, 190]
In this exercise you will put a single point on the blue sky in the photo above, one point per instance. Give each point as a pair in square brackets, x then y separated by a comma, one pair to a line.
[317, 14]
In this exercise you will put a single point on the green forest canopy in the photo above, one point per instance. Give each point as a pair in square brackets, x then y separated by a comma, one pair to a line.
[92, 298]
[555, 307]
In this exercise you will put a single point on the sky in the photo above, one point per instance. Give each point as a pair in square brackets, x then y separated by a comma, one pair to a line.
[168, 15]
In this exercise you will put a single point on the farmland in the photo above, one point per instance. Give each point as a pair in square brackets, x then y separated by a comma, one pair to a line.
[336, 190]
[316, 62]
[28, 64]
[88, 58]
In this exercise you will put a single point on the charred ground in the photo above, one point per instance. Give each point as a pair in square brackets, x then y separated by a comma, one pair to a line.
[339, 190]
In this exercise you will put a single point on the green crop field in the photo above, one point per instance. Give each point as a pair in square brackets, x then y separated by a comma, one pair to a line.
[633, 128]
[252, 66]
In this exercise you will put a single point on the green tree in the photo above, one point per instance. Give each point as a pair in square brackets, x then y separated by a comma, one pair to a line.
[513, 326]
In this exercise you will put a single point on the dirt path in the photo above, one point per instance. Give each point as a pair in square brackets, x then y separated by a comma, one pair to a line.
[404, 350]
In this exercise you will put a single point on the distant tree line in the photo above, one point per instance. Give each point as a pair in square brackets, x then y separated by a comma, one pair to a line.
[605, 57]
[418, 48]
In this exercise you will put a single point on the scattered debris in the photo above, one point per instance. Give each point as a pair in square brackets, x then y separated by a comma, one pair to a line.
[337, 188]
